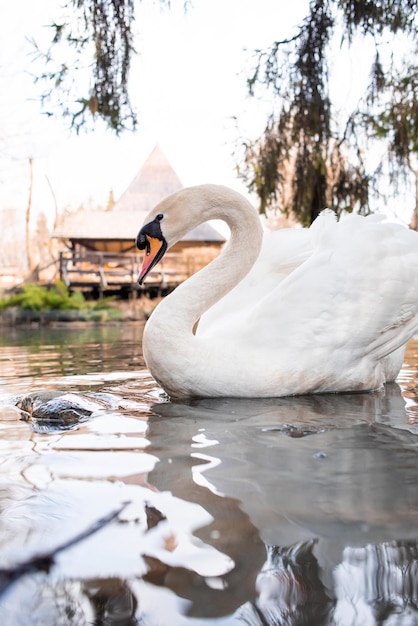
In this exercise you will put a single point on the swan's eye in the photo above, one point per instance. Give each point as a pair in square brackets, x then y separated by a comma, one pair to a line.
[159, 217]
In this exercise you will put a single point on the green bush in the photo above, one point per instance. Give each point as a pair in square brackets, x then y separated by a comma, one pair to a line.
[32, 297]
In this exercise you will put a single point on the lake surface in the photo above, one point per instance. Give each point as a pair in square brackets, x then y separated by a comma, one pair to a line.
[119, 507]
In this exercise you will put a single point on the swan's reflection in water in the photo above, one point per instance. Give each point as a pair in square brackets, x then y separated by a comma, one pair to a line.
[310, 510]
[329, 485]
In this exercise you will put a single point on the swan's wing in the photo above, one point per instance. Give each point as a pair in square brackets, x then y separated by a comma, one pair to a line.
[282, 252]
[356, 294]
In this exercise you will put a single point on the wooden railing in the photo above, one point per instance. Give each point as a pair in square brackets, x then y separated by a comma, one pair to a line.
[106, 271]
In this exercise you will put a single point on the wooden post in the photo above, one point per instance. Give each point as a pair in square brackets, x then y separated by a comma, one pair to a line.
[29, 259]
[414, 220]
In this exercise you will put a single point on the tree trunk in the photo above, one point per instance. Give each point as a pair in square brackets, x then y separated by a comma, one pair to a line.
[413, 224]
[29, 258]
[55, 226]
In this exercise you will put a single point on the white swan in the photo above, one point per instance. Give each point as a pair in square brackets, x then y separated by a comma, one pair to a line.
[324, 309]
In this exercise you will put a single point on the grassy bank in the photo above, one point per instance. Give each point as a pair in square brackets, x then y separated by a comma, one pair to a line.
[33, 303]
[42, 305]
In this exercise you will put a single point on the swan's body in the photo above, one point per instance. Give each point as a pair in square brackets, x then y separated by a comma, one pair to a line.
[325, 309]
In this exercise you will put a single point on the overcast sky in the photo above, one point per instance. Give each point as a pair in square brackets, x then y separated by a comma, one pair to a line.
[188, 82]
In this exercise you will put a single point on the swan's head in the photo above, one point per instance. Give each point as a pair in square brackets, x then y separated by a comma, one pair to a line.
[172, 218]
[151, 239]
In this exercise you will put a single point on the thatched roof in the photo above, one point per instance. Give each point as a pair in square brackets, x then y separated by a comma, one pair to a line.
[155, 180]
[99, 225]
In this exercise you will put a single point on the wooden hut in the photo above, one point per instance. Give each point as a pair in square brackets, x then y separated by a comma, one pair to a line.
[99, 246]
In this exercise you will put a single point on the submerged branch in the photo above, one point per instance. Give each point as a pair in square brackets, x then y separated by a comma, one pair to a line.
[44, 562]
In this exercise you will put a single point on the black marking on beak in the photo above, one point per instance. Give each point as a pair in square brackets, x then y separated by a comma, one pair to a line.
[151, 239]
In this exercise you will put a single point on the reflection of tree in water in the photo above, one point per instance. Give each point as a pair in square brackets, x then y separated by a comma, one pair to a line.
[98, 602]
[379, 583]
[289, 590]
[374, 585]
[113, 601]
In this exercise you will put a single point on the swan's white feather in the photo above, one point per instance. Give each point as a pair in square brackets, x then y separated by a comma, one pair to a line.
[324, 309]
[282, 252]
[352, 302]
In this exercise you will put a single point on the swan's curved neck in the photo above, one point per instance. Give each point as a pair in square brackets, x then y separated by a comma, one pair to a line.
[202, 290]
[173, 353]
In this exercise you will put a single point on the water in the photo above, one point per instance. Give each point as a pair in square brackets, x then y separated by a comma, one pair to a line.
[296, 511]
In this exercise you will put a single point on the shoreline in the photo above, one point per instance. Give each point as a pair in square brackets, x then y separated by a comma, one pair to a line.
[119, 311]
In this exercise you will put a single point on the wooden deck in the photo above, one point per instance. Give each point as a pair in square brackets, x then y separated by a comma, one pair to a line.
[107, 272]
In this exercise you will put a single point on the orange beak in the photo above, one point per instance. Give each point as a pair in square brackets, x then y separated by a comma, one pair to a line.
[154, 251]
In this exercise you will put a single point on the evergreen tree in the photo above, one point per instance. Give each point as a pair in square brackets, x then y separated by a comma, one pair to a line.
[96, 41]
[302, 147]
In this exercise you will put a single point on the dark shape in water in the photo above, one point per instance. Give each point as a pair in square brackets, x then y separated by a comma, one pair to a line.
[51, 410]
